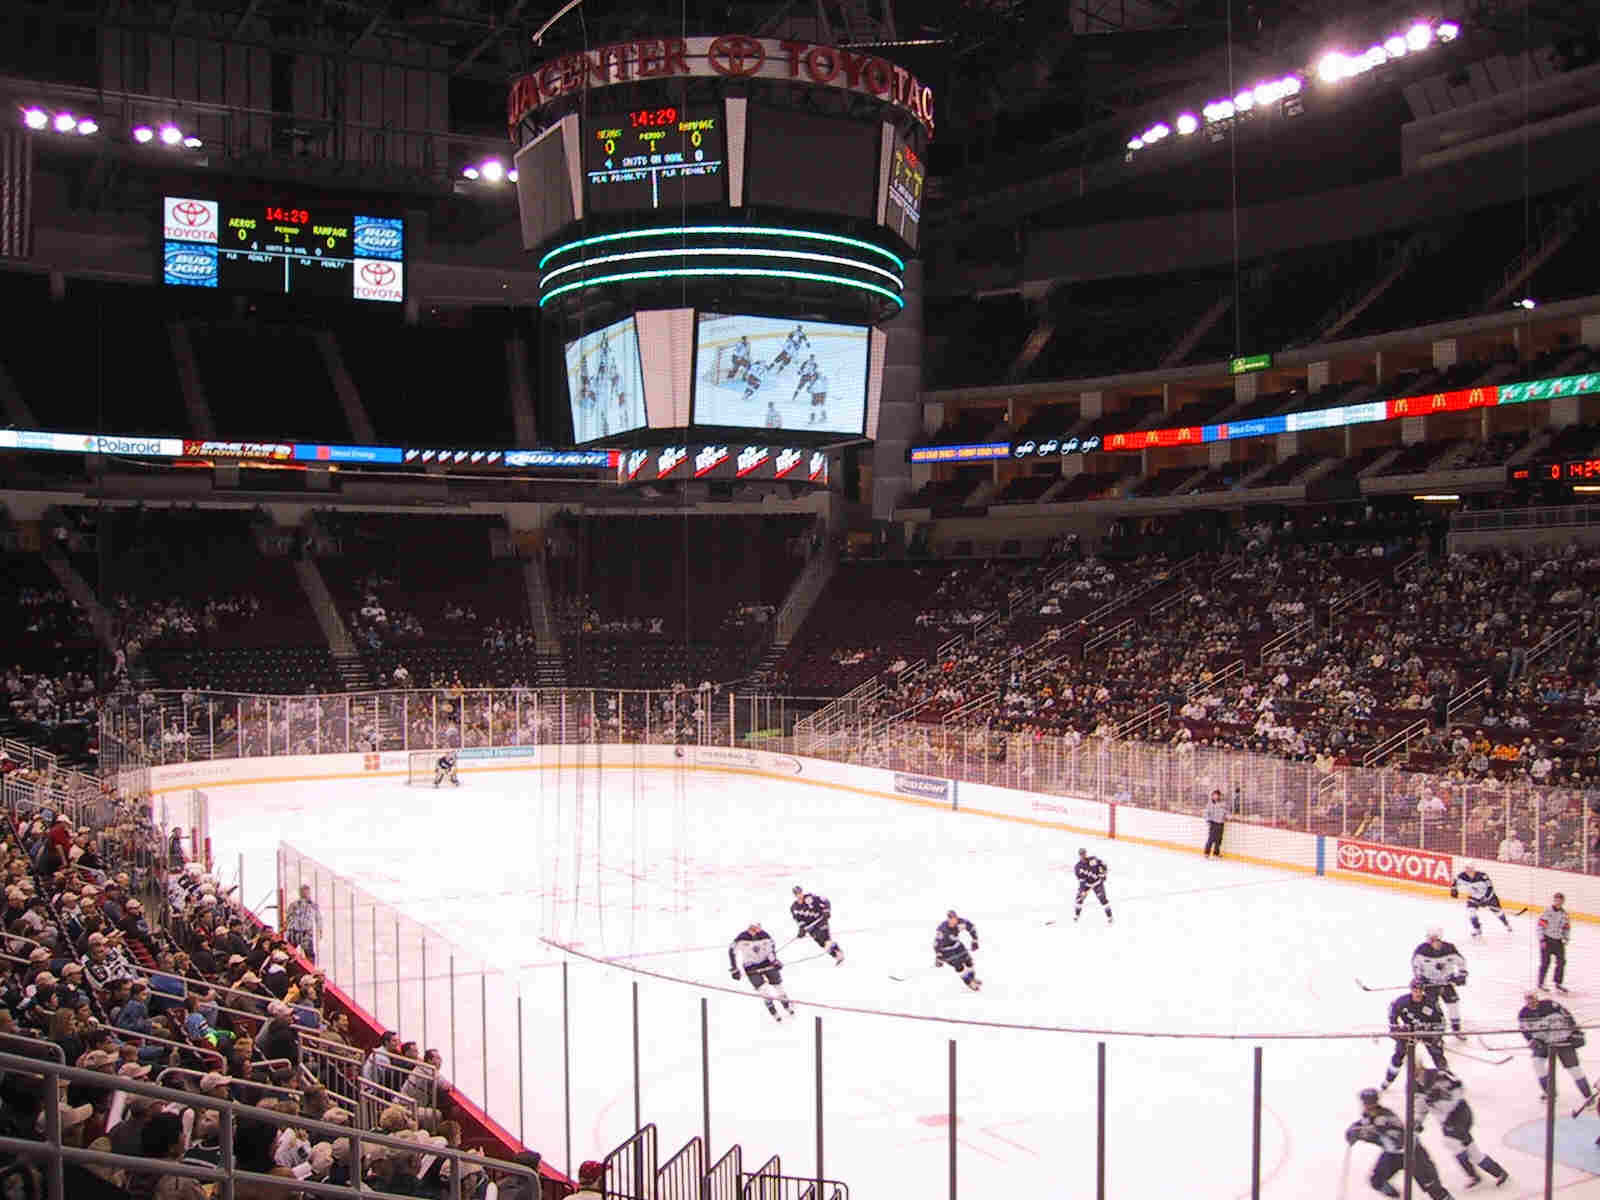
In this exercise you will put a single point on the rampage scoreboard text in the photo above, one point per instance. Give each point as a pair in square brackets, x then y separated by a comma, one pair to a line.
[286, 247]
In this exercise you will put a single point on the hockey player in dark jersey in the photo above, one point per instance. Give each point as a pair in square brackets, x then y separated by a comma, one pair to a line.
[1549, 1028]
[950, 951]
[445, 768]
[1415, 1012]
[1388, 1133]
[1480, 894]
[754, 953]
[1091, 873]
[1440, 967]
[1446, 1098]
[812, 913]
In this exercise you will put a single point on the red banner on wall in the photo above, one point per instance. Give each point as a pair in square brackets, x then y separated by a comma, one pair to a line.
[1438, 402]
[1394, 862]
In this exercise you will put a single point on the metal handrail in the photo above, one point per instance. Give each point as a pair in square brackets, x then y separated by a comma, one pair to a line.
[1221, 675]
[1149, 716]
[1107, 635]
[1395, 741]
[1283, 639]
[1361, 593]
[229, 1112]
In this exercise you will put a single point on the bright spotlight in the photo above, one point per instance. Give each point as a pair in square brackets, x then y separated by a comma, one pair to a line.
[1447, 31]
[1187, 124]
[1527, 302]
[1244, 101]
[1418, 37]
[171, 135]
[35, 118]
[1219, 110]
[1136, 144]
[469, 172]
[88, 125]
[65, 122]
[511, 176]
[1333, 67]
[192, 143]
[143, 134]
[493, 170]
[1290, 85]
[1396, 46]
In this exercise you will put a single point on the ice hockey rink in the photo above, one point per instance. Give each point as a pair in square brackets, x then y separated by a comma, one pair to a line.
[655, 871]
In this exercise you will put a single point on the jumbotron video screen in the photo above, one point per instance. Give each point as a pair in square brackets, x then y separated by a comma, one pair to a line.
[779, 373]
[605, 382]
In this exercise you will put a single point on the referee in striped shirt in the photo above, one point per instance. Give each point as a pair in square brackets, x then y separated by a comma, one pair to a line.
[1555, 927]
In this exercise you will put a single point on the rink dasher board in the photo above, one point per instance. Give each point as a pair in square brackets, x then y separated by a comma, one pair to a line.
[1286, 849]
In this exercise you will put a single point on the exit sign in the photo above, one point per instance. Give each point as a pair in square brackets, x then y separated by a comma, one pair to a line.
[1249, 362]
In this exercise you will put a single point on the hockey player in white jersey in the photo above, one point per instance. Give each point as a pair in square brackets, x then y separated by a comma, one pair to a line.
[1480, 894]
[754, 953]
[1446, 1098]
[1440, 967]
[754, 376]
[739, 360]
[792, 345]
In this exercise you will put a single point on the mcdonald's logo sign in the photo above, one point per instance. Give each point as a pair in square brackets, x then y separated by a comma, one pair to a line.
[1400, 406]
[1438, 401]
[1475, 398]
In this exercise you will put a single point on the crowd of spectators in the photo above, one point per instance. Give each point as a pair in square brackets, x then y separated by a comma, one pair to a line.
[123, 960]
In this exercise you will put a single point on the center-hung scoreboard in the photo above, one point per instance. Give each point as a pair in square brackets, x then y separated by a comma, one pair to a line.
[721, 227]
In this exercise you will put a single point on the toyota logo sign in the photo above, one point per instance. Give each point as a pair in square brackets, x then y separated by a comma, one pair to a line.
[185, 219]
[192, 213]
[736, 55]
[1394, 862]
[373, 279]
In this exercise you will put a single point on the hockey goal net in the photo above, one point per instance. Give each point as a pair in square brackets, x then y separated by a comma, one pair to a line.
[420, 765]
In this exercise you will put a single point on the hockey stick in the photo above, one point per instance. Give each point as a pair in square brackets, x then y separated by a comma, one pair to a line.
[1492, 1062]
[1587, 1101]
[1344, 1171]
[1397, 987]
[1488, 1045]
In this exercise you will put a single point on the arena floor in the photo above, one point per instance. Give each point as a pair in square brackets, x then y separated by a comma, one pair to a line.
[656, 872]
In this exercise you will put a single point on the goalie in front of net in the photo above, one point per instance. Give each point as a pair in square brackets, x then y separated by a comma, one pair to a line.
[445, 768]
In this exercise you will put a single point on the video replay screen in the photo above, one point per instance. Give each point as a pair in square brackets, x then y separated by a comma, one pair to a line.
[778, 373]
[605, 382]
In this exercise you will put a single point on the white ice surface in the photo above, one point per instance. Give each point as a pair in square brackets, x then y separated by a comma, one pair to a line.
[659, 871]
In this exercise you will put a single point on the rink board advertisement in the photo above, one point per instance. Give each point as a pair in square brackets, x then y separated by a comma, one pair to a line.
[1394, 862]
[774, 373]
[605, 382]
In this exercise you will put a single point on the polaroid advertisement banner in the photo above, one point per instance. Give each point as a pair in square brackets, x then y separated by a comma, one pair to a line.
[925, 788]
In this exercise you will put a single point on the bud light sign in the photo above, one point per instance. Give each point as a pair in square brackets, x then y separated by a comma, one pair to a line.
[380, 237]
[189, 264]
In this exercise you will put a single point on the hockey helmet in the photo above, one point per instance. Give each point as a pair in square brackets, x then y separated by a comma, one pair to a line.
[1436, 934]
[1418, 986]
[1369, 1097]
[798, 890]
[1468, 868]
[951, 913]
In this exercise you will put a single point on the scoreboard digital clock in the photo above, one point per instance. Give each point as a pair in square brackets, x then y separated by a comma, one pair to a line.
[1572, 470]
[650, 158]
[263, 247]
